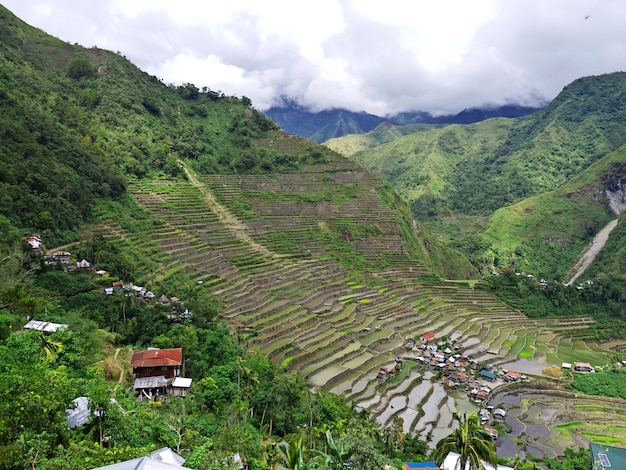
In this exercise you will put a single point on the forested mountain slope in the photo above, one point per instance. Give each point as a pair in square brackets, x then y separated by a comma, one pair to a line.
[123, 170]
[279, 265]
[456, 176]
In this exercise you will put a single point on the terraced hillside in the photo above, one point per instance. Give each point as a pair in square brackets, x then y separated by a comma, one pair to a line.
[281, 251]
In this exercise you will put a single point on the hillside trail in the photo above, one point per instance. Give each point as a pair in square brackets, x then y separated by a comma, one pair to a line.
[122, 372]
[617, 204]
[230, 221]
[60, 248]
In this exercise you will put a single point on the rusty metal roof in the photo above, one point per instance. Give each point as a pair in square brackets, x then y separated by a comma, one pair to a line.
[157, 358]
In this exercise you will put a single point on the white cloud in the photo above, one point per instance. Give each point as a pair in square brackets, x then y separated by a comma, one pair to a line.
[380, 57]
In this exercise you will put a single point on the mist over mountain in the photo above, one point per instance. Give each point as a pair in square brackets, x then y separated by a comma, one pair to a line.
[324, 125]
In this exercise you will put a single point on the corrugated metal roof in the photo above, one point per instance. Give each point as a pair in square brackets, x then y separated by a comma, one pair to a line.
[420, 465]
[143, 463]
[45, 326]
[162, 459]
[157, 358]
[150, 382]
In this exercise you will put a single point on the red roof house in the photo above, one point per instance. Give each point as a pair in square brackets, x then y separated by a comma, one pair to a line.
[428, 336]
[157, 362]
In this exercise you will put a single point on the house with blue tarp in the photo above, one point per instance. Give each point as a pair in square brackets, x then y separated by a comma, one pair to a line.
[420, 466]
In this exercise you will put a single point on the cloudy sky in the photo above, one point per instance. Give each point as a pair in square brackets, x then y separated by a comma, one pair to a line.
[382, 56]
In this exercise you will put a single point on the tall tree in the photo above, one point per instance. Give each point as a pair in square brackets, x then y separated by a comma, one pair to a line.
[473, 443]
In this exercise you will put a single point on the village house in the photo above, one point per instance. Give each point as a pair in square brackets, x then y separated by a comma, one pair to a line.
[385, 373]
[63, 257]
[34, 241]
[459, 377]
[83, 264]
[156, 362]
[488, 375]
[583, 367]
[156, 371]
[485, 416]
[511, 376]
[428, 336]
[180, 386]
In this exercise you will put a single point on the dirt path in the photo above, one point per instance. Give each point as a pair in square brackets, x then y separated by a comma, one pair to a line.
[589, 255]
[60, 248]
[122, 371]
[232, 223]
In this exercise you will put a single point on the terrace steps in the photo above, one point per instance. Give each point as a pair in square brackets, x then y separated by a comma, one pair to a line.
[307, 308]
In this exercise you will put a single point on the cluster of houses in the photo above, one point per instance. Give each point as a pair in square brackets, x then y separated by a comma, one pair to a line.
[58, 258]
[179, 312]
[460, 372]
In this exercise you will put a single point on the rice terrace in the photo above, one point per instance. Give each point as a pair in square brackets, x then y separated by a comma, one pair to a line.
[314, 274]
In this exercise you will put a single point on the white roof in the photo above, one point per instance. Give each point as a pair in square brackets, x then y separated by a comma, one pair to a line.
[566, 365]
[451, 460]
[181, 382]
[167, 455]
[44, 326]
[162, 459]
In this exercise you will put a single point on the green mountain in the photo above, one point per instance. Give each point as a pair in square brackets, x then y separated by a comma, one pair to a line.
[280, 267]
[103, 123]
[546, 234]
[456, 176]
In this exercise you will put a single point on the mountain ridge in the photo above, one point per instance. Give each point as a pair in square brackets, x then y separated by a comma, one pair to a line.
[328, 124]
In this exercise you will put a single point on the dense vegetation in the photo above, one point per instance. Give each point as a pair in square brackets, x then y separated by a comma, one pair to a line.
[240, 402]
[494, 189]
[81, 126]
[603, 300]
[610, 383]
[77, 122]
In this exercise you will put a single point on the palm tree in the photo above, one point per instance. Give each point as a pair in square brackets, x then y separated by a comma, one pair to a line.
[336, 454]
[293, 456]
[471, 441]
[50, 349]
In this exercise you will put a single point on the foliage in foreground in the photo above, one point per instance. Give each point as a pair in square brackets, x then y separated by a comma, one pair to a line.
[240, 402]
